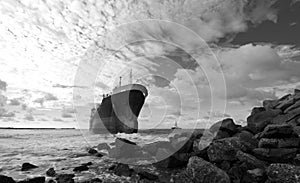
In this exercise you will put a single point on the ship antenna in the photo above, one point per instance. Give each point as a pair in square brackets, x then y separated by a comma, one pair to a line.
[130, 77]
[120, 82]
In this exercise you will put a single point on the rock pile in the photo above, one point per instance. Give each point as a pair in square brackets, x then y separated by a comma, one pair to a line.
[267, 149]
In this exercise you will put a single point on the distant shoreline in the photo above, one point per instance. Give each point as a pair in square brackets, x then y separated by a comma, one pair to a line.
[12, 128]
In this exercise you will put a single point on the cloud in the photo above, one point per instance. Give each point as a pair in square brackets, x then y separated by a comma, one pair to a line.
[58, 119]
[29, 117]
[49, 97]
[3, 100]
[40, 101]
[14, 102]
[67, 86]
[24, 106]
[66, 115]
[5, 114]
[218, 114]
[3, 85]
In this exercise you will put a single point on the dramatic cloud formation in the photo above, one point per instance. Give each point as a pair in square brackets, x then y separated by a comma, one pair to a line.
[45, 43]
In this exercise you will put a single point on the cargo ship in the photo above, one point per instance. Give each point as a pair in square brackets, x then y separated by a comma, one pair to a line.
[118, 112]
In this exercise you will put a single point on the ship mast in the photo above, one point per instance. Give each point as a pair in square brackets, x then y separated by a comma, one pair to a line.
[120, 82]
[130, 77]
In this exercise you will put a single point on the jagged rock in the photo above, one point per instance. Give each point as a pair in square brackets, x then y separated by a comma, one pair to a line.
[5, 179]
[168, 159]
[297, 129]
[122, 170]
[258, 121]
[34, 180]
[257, 110]
[103, 146]
[275, 155]
[202, 153]
[227, 125]
[292, 107]
[199, 170]
[224, 149]
[99, 155]
[147, 175]
[28, 166]
[252, 161]
[247, 140]
[254, 176]
[224, 165]
[279, 173]
[236, 172]
[295, 121]
[51, 172]
[87, 164]
[94, 180]
[270, 104]
[65, 178]
[296, 160]
[81, 168]
[221, 134]
[279, 143]
[278, 131]
[285, 103]
[92, 151]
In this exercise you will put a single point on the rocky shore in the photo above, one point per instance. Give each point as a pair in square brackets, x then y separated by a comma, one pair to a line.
[266, 150]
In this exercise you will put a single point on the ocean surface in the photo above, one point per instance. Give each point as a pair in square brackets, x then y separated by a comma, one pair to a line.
[61, 149]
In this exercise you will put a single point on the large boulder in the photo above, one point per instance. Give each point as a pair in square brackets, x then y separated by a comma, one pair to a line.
[251, 160]
[103, 146]
[276, 154]
[258, 121]
[65, 178]
[51, 172]
[34, 180]
[224, 149]
[248, 140]
[168, 159]
[199, 170]
[270, 104]
[279, 143]
[225, 126]
[256, 175]
[292, 107]
[5, 179]
[28, 166]
[284, 104]
[81, 168]
[122, 170]
[279, 173]
[288, 118]
[278, 131]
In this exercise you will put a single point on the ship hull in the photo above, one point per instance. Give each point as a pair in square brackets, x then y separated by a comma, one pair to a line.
[118, 113]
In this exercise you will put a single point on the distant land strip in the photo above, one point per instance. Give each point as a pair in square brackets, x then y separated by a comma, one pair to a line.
[12, 128]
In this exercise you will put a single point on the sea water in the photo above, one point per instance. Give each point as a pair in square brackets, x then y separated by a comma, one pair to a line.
[61, 149]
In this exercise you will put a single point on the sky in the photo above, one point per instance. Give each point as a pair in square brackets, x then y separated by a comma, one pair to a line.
[201, 61]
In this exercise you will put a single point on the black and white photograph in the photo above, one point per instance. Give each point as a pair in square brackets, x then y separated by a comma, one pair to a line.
[150, 91]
